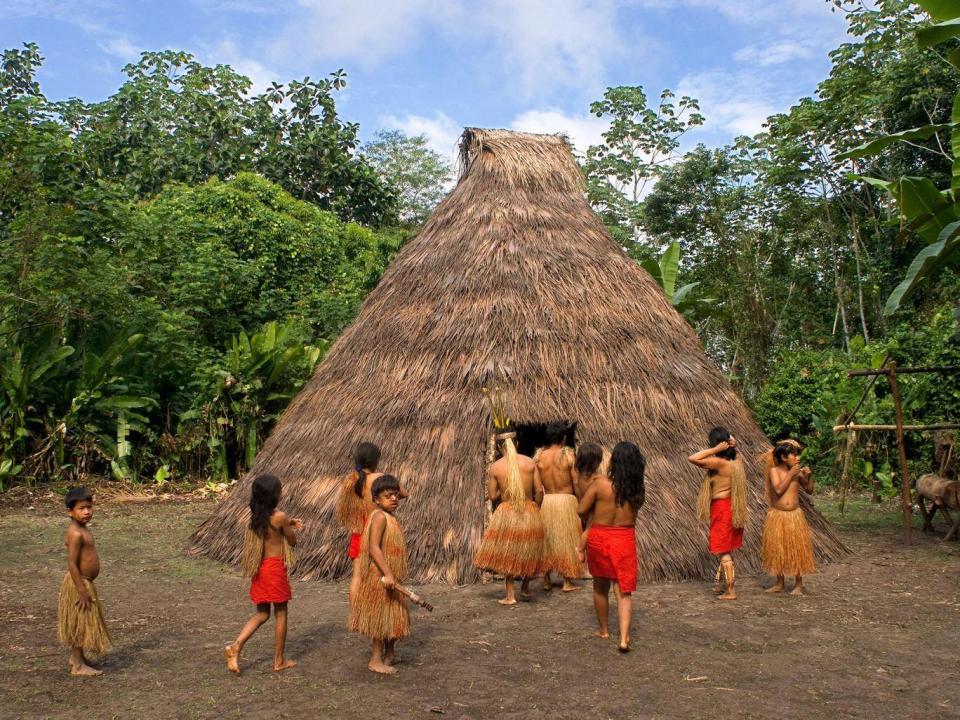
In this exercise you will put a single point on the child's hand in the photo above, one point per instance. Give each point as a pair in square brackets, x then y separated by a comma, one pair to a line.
[296, 523]
[389, 581]
[84, 601]
[581, 555]
[732, 442]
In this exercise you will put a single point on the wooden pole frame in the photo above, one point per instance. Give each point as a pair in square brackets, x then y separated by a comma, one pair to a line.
[891, 371]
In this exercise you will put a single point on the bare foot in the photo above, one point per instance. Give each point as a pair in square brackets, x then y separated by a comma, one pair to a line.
[390, 657]
[798, 590]
[547, 585]
[85, 671]
[718, 589]
[507, 601]
[381, 667]
[232, 656]
[778, 588]
[570, 586]
[603, 634]
[285, 665]
[526, 594]
[624, 647]
[728, 595]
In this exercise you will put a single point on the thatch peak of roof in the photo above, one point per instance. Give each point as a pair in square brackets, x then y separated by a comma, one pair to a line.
[530, 160]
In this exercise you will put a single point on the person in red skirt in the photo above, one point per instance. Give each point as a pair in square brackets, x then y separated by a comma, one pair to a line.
[723, 502]
[610, 544]
[267, 550]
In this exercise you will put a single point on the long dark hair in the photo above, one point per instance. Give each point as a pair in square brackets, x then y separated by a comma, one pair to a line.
[588, 460]
[626, 472]
[367, 457]
[718, 435]
[264, 496]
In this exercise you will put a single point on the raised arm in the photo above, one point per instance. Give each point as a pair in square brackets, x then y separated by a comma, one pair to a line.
[287, 527]
[378, 523]
[708, 458]
[74, 548]
[781, 479]
[806, 480]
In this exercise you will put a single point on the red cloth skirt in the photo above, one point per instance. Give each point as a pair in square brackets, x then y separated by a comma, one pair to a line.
[354, 551]
[270, 584]
[612, 555]
[724, 537]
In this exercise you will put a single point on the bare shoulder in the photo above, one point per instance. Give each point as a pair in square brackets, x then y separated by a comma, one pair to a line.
[526, 462]
[278, 518]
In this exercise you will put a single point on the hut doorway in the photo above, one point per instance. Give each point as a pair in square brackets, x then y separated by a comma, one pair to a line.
[531, 436]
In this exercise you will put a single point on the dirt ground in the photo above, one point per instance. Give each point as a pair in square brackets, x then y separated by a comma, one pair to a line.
[875, 637]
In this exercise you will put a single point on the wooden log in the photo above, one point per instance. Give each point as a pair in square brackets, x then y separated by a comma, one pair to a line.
[906, 428]
[906, 501]
[865, 372]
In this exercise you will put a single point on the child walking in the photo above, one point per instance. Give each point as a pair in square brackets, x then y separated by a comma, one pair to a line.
[80, 618]
[266, 553]
[378, 610]
[611, 541]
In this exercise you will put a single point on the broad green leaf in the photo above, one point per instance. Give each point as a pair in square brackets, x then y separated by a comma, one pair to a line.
[124, 402]
[653, 267]
[955, 143]
[941, 32]
[55, 357]
[927, 261]
[941, 10]
[680, 295]
[919, 197]
[873, 147]
[929, 227]
[885, 185]
[669, 265]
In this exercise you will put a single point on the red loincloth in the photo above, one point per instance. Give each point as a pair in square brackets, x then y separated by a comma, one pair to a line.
[354, 551]
[270, 584]
[724, 537]
[612, 555]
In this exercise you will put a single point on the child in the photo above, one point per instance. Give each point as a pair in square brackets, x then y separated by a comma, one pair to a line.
[378, 611]
[513, 542]
[266, 553]
[355, 503]
[561, 524]
[611, 542]
[787, 542]
[80, 618]
[723, 503]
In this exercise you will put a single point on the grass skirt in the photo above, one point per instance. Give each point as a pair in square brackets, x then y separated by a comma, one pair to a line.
[561, 533]
[513, 544]
[375, 611]
[787, 543]
[81, 628]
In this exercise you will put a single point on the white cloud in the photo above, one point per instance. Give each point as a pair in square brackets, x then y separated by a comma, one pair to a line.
[442, 132]
[775, 53]
[583, 130]
[737, 103]
[227, 52]
[121, 47]
[544, 44]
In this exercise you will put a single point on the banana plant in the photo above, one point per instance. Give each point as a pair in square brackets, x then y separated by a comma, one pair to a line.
[664, 270]
[923, 209]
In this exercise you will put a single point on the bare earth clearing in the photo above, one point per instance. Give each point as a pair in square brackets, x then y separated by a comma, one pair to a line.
[875, 637]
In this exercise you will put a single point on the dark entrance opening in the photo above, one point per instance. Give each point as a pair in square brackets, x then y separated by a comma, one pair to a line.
[531, 436]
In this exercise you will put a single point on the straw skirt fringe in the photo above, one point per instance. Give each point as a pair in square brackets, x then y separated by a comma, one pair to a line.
[81, 628]
[787, 543]
[561, 533]
[513, 544]
[375, 611]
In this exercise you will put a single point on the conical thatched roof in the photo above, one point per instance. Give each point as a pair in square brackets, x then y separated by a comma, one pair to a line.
[513, 282]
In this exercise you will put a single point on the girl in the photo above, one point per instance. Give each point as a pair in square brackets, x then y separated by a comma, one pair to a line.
[787, 541]
[266, 553]
[356, 502]
[378, 611]
[611, 543]
[723, 503]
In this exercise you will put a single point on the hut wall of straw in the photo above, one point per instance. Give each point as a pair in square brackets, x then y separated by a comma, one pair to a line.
[512, 282]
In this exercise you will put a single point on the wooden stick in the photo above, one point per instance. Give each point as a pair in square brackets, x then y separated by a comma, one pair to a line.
[906, 503]
[414, 598]
[903, 371]
[905, 428]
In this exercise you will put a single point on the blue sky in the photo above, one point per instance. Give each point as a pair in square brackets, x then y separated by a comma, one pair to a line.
[434, 66]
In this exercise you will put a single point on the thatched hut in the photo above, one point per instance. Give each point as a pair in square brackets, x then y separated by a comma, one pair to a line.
[513, 281]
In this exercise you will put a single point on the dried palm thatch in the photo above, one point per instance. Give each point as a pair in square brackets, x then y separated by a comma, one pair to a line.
[513, 281]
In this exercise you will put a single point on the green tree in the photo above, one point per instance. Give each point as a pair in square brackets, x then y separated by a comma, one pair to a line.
[637, 145]
[419, 175]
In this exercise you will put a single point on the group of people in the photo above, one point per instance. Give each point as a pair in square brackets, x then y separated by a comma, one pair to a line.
[553, 512]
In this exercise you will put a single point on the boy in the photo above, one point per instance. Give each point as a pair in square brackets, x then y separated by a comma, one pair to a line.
[787, 541]
[378, 610]
[80, 618]
[513, 543]
[561, 524]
